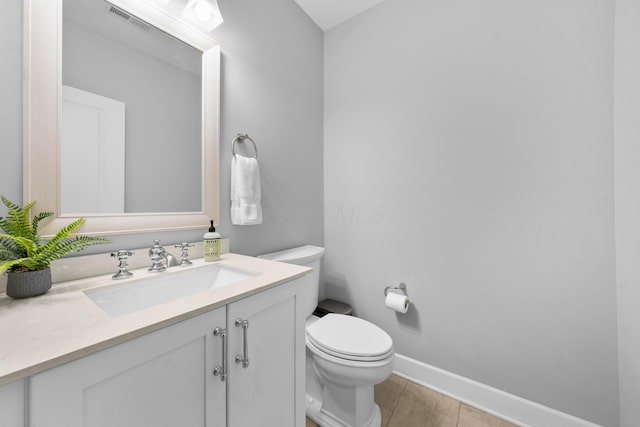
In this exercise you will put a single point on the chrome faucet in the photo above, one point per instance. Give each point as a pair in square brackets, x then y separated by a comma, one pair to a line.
[158, 254]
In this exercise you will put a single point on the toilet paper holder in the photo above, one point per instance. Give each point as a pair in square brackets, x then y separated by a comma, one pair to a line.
[401, 288]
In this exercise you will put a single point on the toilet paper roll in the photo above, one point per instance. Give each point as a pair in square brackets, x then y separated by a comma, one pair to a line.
[397, 302]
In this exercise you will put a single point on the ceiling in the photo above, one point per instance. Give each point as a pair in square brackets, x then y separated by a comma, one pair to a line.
[329, 13]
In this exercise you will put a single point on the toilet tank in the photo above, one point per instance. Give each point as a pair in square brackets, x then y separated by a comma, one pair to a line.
[308, 256]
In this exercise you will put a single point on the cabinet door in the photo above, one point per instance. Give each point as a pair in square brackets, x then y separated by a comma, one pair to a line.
[12, 404]
[164, 378]
[269, 391]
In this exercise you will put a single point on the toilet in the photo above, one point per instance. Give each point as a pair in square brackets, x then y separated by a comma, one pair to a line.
[345, 357]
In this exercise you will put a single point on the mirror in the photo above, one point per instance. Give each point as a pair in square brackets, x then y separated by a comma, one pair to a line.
[164, 187]
[131, 106]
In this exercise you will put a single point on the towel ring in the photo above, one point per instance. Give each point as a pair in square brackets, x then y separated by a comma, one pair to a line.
[240, 138]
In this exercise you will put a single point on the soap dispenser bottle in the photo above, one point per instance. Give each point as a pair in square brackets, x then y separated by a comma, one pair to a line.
[211, 244]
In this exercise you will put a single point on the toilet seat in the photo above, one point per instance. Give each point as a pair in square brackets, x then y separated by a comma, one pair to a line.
[350, 338]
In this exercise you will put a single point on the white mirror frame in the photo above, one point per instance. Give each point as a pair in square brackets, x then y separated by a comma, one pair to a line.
[41, 122]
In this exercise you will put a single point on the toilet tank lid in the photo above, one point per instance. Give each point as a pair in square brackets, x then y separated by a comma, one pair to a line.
[302, 255]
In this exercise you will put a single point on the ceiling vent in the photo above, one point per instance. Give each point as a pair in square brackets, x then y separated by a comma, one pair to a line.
[130, 18]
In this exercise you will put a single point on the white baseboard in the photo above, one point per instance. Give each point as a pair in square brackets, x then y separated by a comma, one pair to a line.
[507, 406]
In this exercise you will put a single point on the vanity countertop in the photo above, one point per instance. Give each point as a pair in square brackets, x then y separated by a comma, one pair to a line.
[40, 333]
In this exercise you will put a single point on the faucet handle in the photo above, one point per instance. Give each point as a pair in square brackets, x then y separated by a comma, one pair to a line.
[156, 247]
[185, 252]
[122, 256]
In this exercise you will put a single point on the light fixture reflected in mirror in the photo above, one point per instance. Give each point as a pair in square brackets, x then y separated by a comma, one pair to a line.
[203, 13]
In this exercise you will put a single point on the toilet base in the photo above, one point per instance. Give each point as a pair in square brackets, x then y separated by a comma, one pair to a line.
[330, 405]
[326, 419]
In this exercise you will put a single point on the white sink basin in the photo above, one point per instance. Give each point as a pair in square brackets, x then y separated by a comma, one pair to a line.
[168, 286]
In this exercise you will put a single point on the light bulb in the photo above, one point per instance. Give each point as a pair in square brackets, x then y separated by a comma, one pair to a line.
[205, 14]
[202, 11]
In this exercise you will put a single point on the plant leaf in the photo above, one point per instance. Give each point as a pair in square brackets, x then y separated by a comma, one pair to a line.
[22, 262]
[28, 245]
[20, 245]
[36, 220]
[17, 221]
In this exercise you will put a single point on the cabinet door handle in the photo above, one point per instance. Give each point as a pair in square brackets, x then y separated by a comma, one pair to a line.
[243, 358]
[221, 370]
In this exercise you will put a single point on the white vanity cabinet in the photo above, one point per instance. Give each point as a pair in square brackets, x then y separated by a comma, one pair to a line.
[166, 378]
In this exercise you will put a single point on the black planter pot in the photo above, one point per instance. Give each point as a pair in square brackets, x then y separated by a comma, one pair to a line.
[28, 283]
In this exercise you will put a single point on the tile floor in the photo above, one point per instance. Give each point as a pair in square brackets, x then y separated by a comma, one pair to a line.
[406, 404]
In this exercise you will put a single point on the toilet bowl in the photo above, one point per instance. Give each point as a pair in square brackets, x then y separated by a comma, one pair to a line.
[345, 357]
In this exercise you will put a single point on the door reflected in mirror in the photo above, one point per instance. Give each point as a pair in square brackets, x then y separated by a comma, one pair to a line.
[131, 129]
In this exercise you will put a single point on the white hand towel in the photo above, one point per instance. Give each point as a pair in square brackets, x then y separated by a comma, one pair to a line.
[245, 191]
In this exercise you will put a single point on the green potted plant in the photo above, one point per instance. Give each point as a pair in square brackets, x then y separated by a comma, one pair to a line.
[26, 257]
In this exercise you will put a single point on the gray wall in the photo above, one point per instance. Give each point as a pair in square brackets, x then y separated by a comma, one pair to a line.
[272, 89]
[627, 177]
[272, 67]
[469, 154]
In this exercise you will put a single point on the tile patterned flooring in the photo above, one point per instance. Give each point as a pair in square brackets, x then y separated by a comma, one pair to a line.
[406, 404]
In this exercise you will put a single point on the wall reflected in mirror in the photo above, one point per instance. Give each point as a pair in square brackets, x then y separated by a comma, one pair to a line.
[131, 137]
